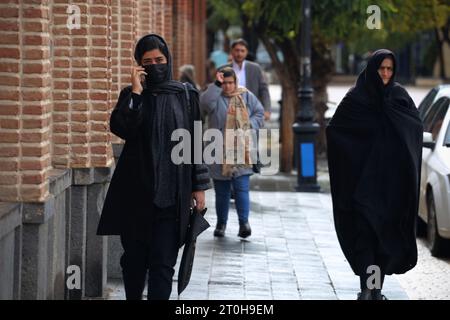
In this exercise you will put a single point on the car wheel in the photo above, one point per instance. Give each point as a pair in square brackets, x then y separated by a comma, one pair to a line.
[435, 241]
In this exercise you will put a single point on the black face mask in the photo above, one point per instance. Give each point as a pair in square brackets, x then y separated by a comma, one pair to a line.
[156, 73]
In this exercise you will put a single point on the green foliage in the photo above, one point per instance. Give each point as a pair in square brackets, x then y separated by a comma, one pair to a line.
[430, 56]
[223, 13]
[340, 20]
[418, 15]
[278, 18]
[402, 22]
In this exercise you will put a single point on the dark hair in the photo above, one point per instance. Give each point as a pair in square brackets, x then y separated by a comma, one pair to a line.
[228, 72]
[239, 41]
[148, 44]
[250, 56]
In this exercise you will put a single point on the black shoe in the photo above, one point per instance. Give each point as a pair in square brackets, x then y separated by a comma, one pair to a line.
[376, 295]
[244, 230]
[365, 294]
[220, 230]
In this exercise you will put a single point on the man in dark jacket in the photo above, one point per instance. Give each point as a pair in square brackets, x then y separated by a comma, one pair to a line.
[149, 198]
[250, 74]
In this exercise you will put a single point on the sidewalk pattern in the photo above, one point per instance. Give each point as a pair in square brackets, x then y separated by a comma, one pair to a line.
[292, 254]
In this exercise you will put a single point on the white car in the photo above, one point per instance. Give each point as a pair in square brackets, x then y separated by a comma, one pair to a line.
[434, 206]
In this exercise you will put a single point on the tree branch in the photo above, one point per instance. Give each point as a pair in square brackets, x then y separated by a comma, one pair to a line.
[272, 51]
[446, 31]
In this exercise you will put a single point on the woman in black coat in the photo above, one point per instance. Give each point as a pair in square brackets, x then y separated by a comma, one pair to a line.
[149, 198]
[374, 157]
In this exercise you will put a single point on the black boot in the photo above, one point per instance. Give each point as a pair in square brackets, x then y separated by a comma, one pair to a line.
[220, 230]
[377, 295]
[244, 230]
[365, 294]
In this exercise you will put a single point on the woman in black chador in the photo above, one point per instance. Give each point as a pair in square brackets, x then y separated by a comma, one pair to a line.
[149, 197]
[374, 156]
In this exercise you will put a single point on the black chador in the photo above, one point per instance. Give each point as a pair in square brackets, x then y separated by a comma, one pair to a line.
[374, 157]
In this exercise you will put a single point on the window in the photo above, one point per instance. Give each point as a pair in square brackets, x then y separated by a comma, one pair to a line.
[447, 137]
[427, 102]
[435, 117]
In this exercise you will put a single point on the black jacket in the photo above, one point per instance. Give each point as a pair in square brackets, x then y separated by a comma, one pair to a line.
[128, 196]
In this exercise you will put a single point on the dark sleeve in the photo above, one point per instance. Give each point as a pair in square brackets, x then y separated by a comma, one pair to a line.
[263, 92]
[127, 115]
[200, 174]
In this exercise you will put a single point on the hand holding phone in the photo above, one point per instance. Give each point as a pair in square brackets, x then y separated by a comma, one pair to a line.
[137, 74]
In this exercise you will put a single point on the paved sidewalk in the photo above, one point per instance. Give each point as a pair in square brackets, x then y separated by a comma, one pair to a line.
[292, 254]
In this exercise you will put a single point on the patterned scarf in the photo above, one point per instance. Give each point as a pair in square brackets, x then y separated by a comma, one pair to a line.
[237, 118]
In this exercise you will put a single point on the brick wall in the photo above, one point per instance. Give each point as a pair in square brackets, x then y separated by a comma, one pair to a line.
[189, 45]
[58, 85]
[198, 43]
[26, 102]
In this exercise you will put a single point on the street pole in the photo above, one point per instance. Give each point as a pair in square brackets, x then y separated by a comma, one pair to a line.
[305, 129]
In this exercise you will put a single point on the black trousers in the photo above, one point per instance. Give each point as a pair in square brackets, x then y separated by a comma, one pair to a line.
[153, 257]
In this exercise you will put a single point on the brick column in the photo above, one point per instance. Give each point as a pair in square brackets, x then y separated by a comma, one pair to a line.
[81, 138]
[189, 30]
[24, 101]
[151, 19]
[183, 34]
[79, 102]
[123, 40]
[198, 41]
[10, 106]
[38, 268]
[145, 23]
[97, 177]
[78, 127]
[62, 154]
[136, 20]
[82, 87]
[36, 102]
[115, 51]
[158, 8]
[167, 11]
[61, 116]
[100, 150]
[189, 33]
[124, 32]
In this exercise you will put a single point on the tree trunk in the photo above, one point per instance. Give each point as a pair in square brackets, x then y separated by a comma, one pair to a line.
[320, 105]
[445, 39]
[322, 71]
[440, 45]
[290, 101]
[249, 34]
[287, 72]
[289, 83]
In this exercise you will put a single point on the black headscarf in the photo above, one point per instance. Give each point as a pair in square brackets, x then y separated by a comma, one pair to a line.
[147, 43]
[369, 83]
[374, 157]
[164, 112]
